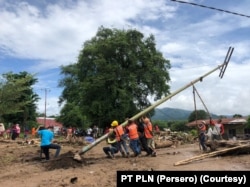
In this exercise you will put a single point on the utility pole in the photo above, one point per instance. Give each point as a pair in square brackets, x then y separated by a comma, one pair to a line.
[45, 105]
[222, 68]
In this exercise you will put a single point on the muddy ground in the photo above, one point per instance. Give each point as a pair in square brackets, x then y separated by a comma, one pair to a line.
[21, 165]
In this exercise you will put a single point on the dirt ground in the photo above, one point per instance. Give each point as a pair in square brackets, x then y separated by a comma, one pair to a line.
[21, 165]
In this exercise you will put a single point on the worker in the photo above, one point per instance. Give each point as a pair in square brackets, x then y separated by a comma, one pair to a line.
[218, 130]
[47, 137]
[148, 131]
[202, 135]
[114, 147]
[121, 138]
[143, 139]
[133, 135]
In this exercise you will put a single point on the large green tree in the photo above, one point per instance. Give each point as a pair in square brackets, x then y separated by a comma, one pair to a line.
[71, 115]
[18, 101]
[116, 72]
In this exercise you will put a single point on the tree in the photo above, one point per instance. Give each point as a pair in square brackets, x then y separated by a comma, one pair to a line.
[178, 125]
[198, 114]
[237, 116]
[17, 98]
[248, 122]
[70, 116]
[116, 72]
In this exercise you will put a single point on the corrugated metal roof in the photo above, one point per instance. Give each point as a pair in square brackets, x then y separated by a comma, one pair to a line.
[238, 121]
[224, 121]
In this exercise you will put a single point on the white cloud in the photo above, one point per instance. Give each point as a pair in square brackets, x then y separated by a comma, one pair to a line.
[40, 36]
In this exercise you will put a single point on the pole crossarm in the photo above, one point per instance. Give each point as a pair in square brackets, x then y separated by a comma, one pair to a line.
[227, 58]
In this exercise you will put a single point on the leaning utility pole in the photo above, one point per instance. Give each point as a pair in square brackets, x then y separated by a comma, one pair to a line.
[222, 68]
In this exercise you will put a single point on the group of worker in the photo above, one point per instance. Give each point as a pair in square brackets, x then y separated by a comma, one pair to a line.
[213, 132]
[136, 136]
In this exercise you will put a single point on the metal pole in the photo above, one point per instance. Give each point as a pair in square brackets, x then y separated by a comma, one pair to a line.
[90, 146]
[45, 103]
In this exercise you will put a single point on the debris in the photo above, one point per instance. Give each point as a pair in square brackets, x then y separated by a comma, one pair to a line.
[73, 180]
[77, 157]
[211, 154]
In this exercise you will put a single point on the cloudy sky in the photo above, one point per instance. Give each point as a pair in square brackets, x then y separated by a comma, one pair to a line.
[38, 36]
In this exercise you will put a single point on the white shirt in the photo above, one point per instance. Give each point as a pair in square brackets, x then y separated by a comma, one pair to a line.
[216, 129]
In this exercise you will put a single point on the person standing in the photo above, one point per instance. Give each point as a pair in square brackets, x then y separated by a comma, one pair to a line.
[143, 139]
[133, 135]
[2, 129]
[95, 132]
[69, 133]
[148, 131]
[33, 132]
[47, 137]
[18, 130]
[218, 130]
[26, 133]
[89, 131]
[202, 135]
[14, 132]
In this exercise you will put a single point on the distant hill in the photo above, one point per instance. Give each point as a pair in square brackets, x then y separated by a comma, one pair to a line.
[165, 114]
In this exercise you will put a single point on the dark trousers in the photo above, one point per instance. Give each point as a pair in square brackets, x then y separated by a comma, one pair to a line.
[144, 145]
[14, 135]
[202, 139]
[135, 146]
[45, 149]
[123, 147]
[110, 150]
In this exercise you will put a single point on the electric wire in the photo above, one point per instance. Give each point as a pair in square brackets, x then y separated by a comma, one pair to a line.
[212, 8]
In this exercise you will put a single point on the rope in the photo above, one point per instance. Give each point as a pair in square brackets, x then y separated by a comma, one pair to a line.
[210, 118]
[196, 117]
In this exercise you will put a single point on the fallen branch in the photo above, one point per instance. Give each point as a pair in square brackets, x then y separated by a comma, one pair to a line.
[206, 155]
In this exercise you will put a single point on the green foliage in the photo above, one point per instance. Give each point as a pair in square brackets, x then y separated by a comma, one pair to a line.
[17, 98]
[198, 114]
[173, 125]
[178, 125]
[237, 116]
[248, 122]
[115, 73]
[194, 132]
[71, 116]
[161, 124]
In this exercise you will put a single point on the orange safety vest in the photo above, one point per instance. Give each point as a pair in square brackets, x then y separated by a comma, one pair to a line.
[118, 132]
[202, 128]
[133, 133]
[148, 128]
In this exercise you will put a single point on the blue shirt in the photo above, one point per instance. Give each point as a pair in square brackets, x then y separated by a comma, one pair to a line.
[46, 136]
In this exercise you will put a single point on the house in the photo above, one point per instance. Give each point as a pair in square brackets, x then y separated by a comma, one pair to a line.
[234, 127]
[47, 122]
